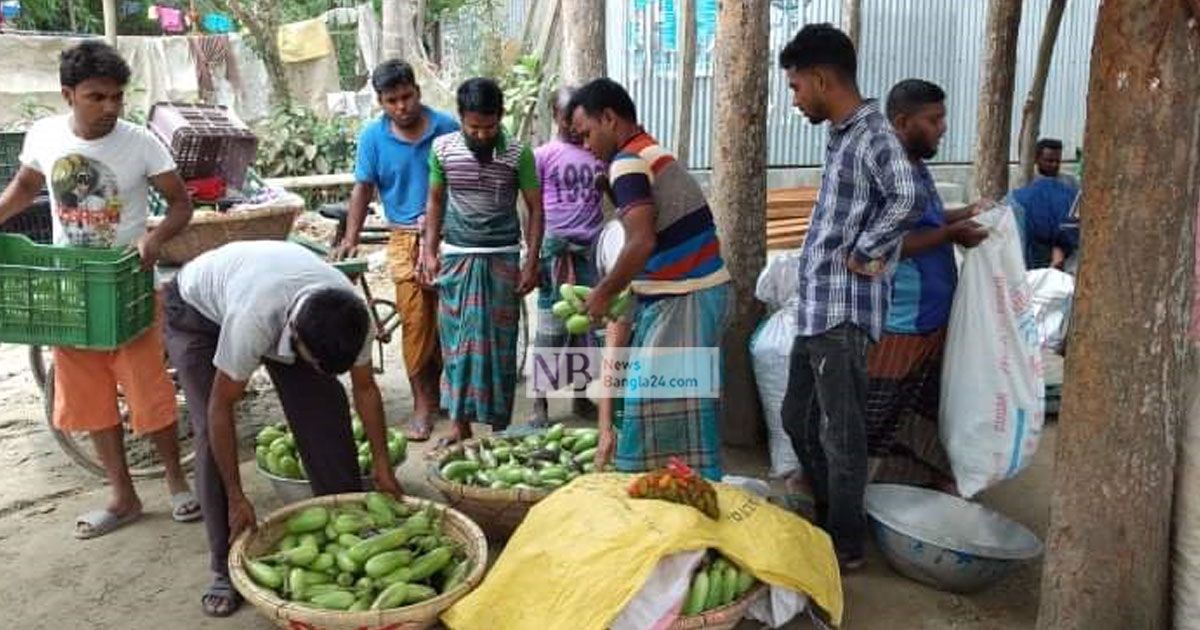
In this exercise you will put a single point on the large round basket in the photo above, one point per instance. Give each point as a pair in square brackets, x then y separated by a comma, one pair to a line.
[210, 230]
[498, 511]
[723, 618]
[287, 614]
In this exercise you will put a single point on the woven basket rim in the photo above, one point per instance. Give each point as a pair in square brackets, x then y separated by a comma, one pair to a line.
[456, 525]
[731, 612]
[235, 216]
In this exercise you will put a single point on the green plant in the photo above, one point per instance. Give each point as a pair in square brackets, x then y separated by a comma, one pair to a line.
[294, 141]
[523, 91]
[29, 110]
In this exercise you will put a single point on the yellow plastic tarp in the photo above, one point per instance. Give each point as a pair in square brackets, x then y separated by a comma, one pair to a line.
[304, 41]
[585, 551]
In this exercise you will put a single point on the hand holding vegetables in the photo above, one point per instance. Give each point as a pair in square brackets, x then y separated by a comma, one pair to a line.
[581, 307]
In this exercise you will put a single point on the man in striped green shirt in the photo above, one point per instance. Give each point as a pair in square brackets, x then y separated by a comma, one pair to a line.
[473, 252]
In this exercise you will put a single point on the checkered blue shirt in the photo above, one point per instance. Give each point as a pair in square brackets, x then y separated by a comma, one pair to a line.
[868, 193]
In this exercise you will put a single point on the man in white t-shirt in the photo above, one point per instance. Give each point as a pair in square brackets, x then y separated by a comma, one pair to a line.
[98, 169]
[278, 305]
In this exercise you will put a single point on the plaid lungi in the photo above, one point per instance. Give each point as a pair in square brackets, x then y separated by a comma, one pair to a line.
[478, 312]
[562, 261]
[904, 386]
[654, 430]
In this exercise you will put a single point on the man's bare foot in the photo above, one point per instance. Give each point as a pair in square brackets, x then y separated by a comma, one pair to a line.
[460, 433]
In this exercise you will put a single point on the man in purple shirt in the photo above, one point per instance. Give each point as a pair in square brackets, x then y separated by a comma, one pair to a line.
[574, 216]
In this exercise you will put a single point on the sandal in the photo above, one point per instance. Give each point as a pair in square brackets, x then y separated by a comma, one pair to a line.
[221, 599]
[185, 508]
[419, 430]
[100, 522]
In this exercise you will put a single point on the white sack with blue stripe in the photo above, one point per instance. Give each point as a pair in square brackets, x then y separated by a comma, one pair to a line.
[993, 395]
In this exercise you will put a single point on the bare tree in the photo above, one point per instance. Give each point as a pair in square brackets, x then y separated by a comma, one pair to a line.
[686, 86]
[996, 98]
[739, 197]
[1031, 114]
[1107, 560]
[262, 18]
[403, 26]
[583, 51]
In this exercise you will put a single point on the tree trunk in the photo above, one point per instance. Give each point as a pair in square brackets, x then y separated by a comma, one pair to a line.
[739, 197]
[392, 29]
[1031, 114]
[852, 20]
[1107, 559]
[110, 21]
[583, 52]
[686, 86]
[261, 18]
[402, 40]
[996, 98]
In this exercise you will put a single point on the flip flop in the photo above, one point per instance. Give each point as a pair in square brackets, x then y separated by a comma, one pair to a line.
[185, 508]
[418, 430]
[101, 522]
[222, 592]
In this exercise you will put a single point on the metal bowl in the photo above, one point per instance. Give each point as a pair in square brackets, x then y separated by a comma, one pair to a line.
[295, 490]
[946, 542]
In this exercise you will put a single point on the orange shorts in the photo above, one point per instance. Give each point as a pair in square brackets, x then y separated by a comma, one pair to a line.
[86, 381]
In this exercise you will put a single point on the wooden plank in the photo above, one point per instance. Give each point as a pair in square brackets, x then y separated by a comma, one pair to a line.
[311, 181]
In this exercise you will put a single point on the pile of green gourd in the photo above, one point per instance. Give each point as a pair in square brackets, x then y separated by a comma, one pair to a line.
[377, 555]
[716, 583]
[571, 310]
[276, 453]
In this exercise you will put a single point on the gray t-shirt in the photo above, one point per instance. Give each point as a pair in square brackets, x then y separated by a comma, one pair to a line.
[247, 288]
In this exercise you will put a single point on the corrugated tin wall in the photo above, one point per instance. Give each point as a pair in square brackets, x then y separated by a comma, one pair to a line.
[937, 40]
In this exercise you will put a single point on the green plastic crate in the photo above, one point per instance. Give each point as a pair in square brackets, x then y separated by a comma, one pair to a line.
[77, 297]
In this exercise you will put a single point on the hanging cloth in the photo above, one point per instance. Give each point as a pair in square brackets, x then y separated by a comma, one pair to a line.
[209, 52]
[304, 41]
[170, 19]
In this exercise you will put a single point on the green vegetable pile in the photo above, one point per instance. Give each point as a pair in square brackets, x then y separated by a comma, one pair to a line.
[717, 582]
[376, 555]
[570, 308]
[276, 450]
[545, 460]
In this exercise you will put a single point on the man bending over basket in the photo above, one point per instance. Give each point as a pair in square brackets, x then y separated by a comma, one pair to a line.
[275, 304]
[98, 168]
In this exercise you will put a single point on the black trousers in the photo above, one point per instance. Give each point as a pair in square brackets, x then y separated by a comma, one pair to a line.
[315, 405]
[824, 414]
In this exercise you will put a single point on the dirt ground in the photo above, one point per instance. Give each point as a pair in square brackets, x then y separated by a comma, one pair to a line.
[150, 575]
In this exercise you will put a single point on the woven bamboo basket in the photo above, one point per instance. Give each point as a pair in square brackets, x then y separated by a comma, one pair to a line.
[287, 614]
[210, 230]
[497, 511]
[723, 618]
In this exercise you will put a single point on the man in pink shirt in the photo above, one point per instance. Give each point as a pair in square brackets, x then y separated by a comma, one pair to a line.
[574, 217]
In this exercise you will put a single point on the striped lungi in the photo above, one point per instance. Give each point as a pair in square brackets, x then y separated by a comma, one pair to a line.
[653, 430]
[478, 312]
[904, 386]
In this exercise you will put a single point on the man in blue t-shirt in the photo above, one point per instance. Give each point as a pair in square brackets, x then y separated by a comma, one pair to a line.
[904, 368]
[1043, 207]
[393, 159]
